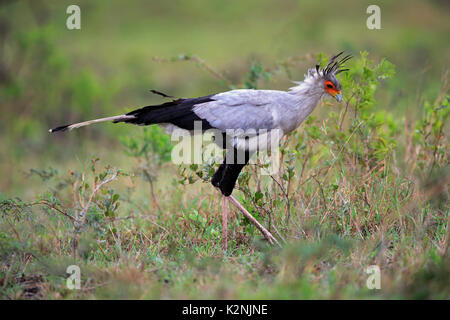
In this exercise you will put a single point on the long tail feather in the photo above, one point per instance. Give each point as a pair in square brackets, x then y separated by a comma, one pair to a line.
[86, 123]
[177, 112]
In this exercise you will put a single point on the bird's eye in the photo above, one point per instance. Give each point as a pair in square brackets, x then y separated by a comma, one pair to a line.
[329, 85]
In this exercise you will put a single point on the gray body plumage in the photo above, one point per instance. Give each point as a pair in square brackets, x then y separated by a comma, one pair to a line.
[257, 110]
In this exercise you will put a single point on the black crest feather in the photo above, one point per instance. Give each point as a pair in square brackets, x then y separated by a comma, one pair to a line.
[335, 66]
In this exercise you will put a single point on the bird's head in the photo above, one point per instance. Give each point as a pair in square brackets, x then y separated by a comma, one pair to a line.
[327, 76]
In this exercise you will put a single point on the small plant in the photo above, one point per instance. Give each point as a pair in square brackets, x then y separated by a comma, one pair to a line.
[91, 203]
[151, 150]
[429, 136]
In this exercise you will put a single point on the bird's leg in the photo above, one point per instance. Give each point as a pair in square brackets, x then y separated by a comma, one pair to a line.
[264, 231]
[224, 223]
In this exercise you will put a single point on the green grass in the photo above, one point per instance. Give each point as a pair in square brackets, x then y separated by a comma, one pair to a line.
[176, 253]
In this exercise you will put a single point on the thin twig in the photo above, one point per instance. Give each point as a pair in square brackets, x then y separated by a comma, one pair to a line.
[286, 195]
[51, 205]
[94, 192]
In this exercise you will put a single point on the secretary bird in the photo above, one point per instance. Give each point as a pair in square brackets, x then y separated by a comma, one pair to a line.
[263, 111]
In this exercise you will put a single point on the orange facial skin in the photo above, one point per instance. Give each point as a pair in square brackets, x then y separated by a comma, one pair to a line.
[331, 89]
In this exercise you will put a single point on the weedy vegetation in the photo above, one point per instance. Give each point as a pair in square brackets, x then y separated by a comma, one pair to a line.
[343, 199]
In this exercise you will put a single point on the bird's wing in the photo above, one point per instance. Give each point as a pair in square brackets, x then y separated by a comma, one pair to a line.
[242, 109]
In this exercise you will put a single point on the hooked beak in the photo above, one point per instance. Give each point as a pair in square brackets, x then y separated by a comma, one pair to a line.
[335, 94]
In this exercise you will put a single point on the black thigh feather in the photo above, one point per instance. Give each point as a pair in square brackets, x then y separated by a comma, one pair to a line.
[228, 172]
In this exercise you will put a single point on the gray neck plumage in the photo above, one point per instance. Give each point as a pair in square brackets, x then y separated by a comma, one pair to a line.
[307, 95]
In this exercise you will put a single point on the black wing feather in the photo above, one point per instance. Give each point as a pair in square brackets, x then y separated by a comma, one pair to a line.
[178, 112]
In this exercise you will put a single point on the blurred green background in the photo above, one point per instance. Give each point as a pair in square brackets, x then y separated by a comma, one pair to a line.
[50, 75]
